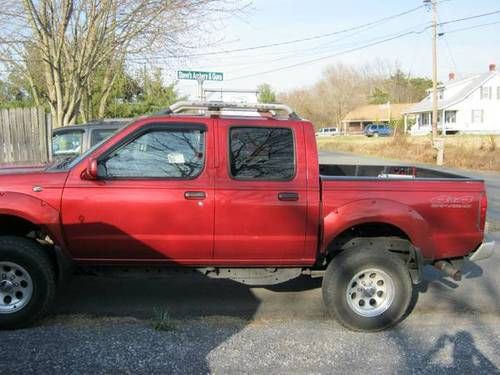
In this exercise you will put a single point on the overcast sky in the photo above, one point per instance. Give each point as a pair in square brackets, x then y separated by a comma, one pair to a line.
[274, 21]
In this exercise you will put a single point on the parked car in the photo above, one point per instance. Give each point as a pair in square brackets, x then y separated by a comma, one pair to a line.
[327, 132]
[73, 140]
[377, 130]
[235, 197]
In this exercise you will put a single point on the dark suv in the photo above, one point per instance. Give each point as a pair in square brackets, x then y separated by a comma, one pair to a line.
[376, 130]
[75, 139]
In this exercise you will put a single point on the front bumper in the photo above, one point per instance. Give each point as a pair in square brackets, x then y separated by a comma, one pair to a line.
[485, 250]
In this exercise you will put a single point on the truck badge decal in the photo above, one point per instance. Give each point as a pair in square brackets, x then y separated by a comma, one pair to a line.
[447, 201]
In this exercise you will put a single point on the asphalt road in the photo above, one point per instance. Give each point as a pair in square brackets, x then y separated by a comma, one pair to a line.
[104, 325]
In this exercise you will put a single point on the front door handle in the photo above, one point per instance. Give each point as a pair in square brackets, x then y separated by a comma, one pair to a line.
[288, 196]
[195, 195]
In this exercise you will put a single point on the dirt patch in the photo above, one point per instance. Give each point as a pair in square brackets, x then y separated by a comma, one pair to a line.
[461, 151]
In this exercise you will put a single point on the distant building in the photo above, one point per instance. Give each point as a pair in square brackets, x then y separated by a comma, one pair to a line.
[470, 105]
[357, 119]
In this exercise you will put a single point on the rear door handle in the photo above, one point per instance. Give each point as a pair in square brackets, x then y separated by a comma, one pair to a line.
[288, 196]
[193, 195]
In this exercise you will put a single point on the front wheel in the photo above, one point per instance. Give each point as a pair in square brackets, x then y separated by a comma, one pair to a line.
[367, 289]
[27, 282]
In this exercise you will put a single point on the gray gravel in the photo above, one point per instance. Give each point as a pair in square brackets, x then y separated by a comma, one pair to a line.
[422, 344]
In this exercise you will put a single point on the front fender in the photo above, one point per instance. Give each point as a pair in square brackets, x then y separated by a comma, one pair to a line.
[34, 210]
[384, 211]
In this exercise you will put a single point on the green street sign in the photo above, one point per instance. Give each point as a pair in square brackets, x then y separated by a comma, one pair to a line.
[204, 76]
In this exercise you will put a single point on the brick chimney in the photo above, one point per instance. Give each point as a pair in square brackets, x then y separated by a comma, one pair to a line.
[451, 76]
[493, 67]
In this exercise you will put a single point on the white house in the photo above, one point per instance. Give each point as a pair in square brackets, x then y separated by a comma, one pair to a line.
[470, 105]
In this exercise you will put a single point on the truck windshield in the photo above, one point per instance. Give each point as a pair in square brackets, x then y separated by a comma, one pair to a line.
[74, 161]
[67, 143]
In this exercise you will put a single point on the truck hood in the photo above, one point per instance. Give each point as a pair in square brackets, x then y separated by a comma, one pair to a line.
[21, 168]
[23, 178]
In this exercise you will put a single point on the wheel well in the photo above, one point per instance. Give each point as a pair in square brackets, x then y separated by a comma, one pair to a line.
[16, 226]
[391, 235]
[378, 235]
[11, 225]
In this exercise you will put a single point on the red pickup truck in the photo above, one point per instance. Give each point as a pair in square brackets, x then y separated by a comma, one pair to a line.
[235, 191]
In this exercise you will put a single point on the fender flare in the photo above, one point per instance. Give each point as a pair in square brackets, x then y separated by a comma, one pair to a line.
[36, 211]
[383, 211]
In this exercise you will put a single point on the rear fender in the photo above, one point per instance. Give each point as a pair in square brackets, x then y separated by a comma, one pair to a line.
[379, 211]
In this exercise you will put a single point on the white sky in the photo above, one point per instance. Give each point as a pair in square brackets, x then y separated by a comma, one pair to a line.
[273, 21]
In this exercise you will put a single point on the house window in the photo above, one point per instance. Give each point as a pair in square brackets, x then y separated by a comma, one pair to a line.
[486, 92]
[426, 118]
[477, 116]
[450, 117]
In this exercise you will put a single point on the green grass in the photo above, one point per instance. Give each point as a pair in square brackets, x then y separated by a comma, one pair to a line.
[162, 321]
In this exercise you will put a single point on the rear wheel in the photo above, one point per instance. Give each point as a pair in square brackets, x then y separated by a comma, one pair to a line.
[27, 282]
[367, 290]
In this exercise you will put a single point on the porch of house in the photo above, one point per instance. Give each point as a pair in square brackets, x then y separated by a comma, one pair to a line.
[447, 122]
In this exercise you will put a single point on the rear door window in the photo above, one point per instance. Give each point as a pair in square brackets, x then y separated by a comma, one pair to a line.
[261, 153]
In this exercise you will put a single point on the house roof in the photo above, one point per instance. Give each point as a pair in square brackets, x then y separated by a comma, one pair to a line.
[469, 85]
[377, 112]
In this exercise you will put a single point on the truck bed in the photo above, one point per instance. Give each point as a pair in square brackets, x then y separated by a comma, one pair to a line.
[442, 213]
[349, 171]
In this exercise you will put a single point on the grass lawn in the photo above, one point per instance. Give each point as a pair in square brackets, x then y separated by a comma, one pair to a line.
[461, 151]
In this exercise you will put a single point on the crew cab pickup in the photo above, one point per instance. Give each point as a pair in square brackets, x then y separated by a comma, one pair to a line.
[235, 191]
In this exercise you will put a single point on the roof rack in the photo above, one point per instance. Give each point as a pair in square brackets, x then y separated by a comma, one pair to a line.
[217, 107]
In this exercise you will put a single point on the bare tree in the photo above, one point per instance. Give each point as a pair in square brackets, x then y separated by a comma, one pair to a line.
[340, 89]
[67, 41]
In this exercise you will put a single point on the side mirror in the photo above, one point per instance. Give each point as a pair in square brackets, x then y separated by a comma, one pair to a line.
[91, 172]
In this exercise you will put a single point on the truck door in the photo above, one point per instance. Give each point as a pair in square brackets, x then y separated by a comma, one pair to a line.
[260, 192]
[153, 199]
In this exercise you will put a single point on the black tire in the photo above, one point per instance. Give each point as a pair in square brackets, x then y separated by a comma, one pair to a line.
[29, 255]
[350, 263]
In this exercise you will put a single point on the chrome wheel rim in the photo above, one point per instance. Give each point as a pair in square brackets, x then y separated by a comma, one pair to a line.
[370, 292]
[16, 287]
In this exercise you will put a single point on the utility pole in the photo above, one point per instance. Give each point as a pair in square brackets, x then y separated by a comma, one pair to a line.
[437, 144]
[434, 71]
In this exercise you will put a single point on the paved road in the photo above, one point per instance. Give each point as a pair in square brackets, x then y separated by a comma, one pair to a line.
[103, 325]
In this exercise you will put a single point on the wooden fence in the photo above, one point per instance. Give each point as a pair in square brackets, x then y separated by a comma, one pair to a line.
[24, 135]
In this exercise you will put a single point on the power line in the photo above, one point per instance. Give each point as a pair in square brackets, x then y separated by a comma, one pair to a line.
[328, 56]
[314, 37]
[363, 47]
[309, 38]
[311, 51]
[472, 27]
[448, 48]
[469, 18]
